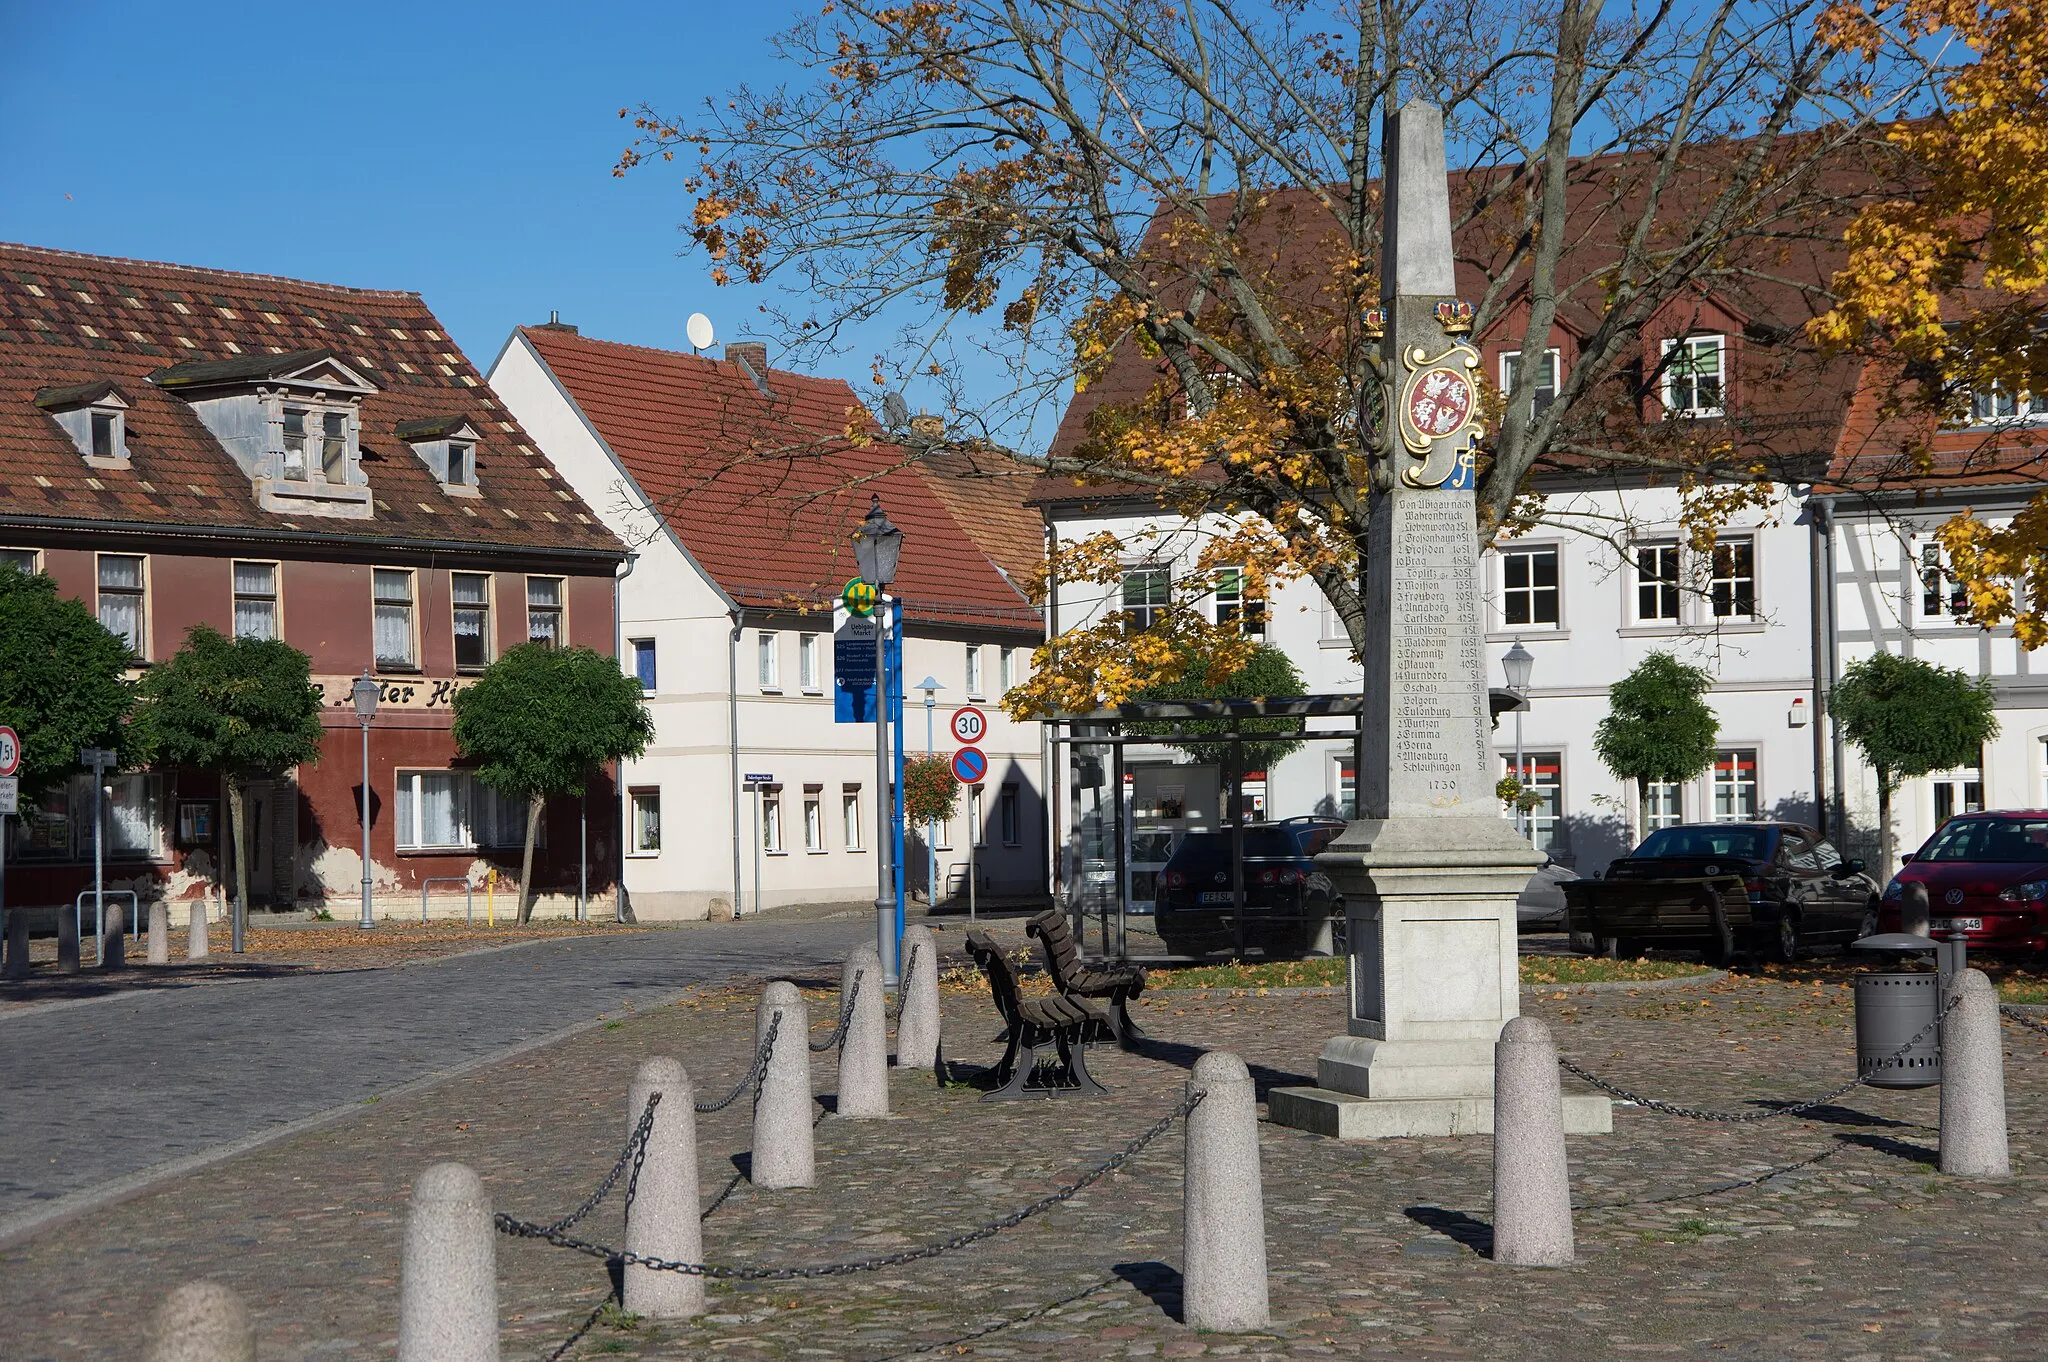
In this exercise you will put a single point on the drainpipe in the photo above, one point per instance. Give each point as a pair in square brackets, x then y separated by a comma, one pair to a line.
[624, 830]
[732, 702]
[1827, 668]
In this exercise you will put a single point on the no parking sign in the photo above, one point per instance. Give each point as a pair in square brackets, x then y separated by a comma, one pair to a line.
[969, 765]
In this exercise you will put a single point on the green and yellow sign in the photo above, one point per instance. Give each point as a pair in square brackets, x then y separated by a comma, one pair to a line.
[859, 598]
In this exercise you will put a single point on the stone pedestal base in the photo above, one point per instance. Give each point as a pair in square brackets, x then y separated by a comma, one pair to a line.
[1344, 1116]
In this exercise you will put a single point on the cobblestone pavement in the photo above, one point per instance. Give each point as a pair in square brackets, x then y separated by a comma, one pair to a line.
[1865, 1255]
[103, 1090]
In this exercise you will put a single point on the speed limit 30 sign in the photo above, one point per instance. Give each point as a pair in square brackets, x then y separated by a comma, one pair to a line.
[970, 725]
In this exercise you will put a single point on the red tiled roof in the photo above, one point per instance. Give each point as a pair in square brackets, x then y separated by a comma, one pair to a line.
[69, 320]
[765, 489]
[988, 493]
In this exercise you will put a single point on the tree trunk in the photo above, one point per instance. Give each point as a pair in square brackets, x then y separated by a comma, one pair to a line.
[533, 809]
[237, 823]
[1884, 825]
[1642, 827]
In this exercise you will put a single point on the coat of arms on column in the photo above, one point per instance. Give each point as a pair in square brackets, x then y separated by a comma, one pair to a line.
[1439, 417]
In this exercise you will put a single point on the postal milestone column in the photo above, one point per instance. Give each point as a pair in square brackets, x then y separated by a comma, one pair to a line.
[1430, 872]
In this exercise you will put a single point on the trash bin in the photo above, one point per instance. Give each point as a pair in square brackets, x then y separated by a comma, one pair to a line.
[1892, 1009]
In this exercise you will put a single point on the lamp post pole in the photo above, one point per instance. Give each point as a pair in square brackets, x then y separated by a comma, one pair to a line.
[364, 695]
[877, 546]
[1518, 662]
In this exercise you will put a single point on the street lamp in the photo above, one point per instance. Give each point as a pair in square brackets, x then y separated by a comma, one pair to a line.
[931, 688]
[364, 694]
[1518, 662]
[877, 545]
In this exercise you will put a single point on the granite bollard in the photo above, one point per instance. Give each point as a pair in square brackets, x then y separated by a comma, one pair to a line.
[661, 1208]
[159, 932]
[864, 1050]
[1223, 1227]
[448, 1275]
[195, 931]
[67, 941]
[783, 1155]
[17, 945]
[1973, 1143]
[1532, 1191]
[202, 1322]
[114, 945]
[917, 1022]
[1913, 909]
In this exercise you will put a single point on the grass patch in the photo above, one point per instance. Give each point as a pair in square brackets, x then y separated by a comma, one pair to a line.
[1323, 973]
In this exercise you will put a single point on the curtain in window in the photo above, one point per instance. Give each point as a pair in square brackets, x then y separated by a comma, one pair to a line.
[441, 820]
[394, 618]
[255, 600]
[131, 815]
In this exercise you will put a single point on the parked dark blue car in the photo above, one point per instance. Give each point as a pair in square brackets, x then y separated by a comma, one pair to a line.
[1290, 906]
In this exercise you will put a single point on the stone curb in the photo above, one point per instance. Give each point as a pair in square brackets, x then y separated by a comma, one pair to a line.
[27, 1224]
[1336, 990]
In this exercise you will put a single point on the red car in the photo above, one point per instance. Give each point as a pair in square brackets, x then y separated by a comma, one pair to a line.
[1986, 874]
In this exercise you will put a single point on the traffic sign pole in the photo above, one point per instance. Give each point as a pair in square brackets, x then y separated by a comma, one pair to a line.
[970, 764]
[10, 763]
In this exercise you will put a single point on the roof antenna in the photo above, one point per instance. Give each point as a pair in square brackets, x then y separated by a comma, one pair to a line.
[699, 329]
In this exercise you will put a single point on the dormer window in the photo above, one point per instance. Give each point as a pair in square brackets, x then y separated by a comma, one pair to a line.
[95, 416]
[290, 421]
[310, 439]
[447, 446]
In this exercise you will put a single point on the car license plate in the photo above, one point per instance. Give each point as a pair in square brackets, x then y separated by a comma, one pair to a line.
[1956, 924]
[1216, 896]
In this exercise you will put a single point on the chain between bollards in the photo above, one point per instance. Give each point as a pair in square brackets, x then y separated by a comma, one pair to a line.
[1751, 1117]
[634, 1153]
[761, 1057]
[903, 977]
[845, 1016]
[2014, 1014]
[521, 1229]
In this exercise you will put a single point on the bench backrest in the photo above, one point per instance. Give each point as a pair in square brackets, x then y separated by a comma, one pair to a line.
[1056, 941]
[1002, 976]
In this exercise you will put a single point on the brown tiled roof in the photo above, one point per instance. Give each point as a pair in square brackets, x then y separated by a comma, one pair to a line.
[988, 493]
[71, 321]
[765, 489]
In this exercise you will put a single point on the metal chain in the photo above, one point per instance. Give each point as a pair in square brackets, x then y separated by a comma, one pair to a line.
[521, 1229]
[1751, 1117]
[2014, 1014]
[634, 1153]
[845, 1016]
[1759, 1180]
[909, 969]
[760, 1065]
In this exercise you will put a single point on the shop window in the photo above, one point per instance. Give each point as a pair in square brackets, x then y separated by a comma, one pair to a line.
[1542, 774]
[1734, 785]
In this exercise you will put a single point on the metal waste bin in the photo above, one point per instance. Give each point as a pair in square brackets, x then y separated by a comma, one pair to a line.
[1892, 1009]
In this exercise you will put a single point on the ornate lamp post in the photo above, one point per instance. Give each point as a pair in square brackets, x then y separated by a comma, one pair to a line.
[1518, 662]
[364, 694]
[877, 547]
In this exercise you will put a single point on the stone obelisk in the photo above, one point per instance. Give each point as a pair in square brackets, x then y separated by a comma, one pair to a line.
[1430, 872]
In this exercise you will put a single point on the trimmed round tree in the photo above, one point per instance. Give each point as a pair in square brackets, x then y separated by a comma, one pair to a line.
[242, 708]
[1659, 727]
[63, 679]
[539, 720]
[1910, 718]
[1267, 674]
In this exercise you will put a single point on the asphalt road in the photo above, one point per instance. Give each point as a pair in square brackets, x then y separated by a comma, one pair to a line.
[93, 1096]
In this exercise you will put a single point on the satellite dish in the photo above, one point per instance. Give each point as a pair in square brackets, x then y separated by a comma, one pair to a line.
[699, 329]
[895, 411]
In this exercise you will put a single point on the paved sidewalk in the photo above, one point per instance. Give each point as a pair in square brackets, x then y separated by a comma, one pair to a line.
[1866, 1255]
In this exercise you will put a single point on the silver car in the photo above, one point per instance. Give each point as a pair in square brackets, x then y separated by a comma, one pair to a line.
[1540, 905]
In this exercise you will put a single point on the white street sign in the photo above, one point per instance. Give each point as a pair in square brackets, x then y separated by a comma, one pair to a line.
[10, 794]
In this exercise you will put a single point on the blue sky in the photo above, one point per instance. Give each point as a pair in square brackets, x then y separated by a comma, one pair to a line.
[462, 150]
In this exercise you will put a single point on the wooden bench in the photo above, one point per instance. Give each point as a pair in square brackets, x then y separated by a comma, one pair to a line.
[1076, 979]
[1034, 1023]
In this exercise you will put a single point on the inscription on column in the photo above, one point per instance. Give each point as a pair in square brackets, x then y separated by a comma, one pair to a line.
[1437, 697]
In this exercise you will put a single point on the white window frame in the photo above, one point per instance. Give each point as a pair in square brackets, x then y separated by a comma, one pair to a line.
[1511, 358]
[1006, 668]
[411, 661]
[274, 599]
[2026, 409]
[644, 797]
[140, 595]
[1546, 824]
[1530, 552]
[1716, 786]
[1230, 604]
[1951, 602]
[645, 647]
[1674, 585]
[1677, 371]
[977, 829]
[974, 689]
[771, 819]
[814, 820]
[1664, 804]
[1010, 816]
[1145, 613]
[850, 826]
[768, 660]
[313, 433]
[558, 611]
[807, 672]
[34, 557]
[1755, 578]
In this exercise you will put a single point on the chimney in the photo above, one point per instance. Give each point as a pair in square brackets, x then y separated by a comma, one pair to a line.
[927, 427]
[753, 354]
[555, 323]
